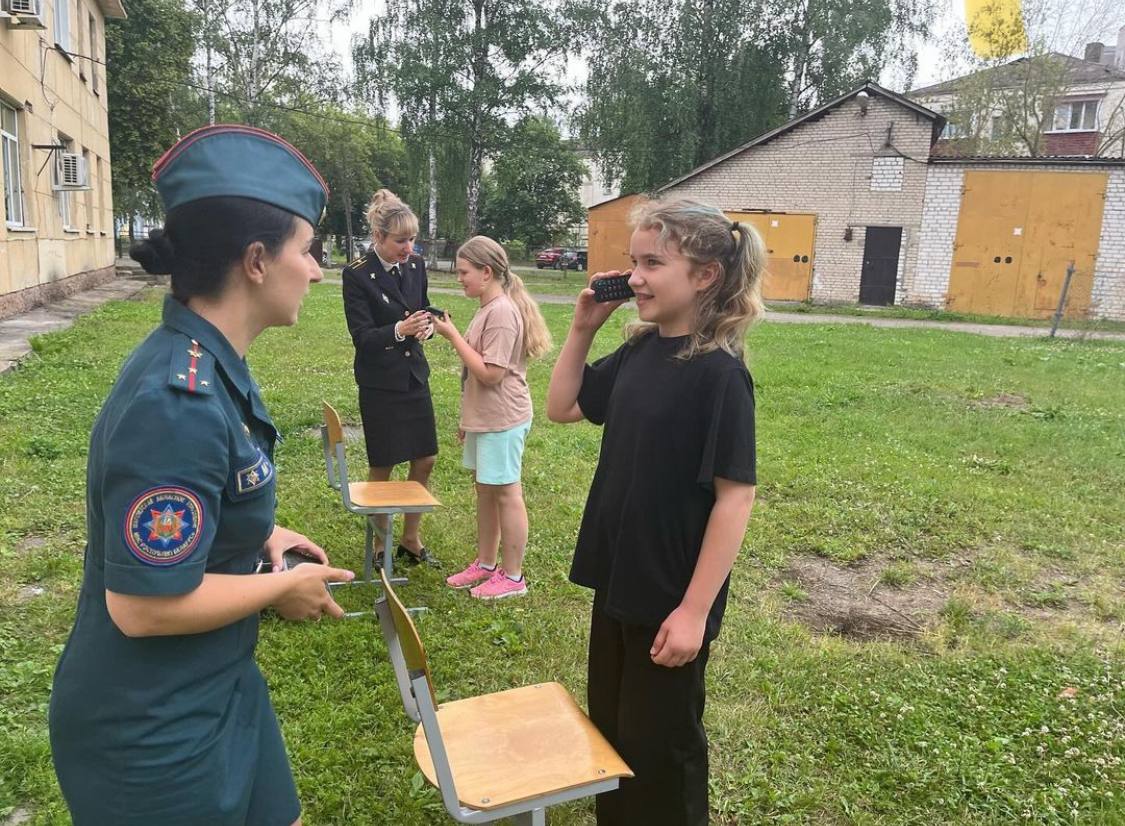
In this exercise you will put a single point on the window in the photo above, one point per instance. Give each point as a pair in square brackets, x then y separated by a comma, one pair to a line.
[954, 126]
[13, 180]
[1076, 116]
[63, 197]
[62, 23]
[92, 29]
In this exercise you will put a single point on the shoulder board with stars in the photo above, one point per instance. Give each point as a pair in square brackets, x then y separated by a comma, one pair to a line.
[192, 369]
[359, 263]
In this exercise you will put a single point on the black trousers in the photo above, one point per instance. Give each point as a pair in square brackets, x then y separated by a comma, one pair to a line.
[653, 716]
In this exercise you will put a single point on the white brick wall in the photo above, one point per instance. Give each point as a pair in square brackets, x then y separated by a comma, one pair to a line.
[824, 167]
[886, 174]
[929, 283]
[1107, 298]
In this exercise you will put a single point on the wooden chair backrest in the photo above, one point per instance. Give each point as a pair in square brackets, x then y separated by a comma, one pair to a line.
[335, 429]
[411, 644]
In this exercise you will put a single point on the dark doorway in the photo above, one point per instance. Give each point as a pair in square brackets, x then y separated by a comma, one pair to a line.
[880, 265]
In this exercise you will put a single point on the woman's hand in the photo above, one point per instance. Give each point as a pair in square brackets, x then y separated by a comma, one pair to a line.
[444, 326]
[589, 315]
[283, 539]
[679, 639]
[414, 324]
[307, 596]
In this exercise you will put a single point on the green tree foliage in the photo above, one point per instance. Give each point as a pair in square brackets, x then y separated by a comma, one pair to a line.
[532, 192]
[674, 83]
[831, 46]
[458, 70]
[148, 57]
[355, 153]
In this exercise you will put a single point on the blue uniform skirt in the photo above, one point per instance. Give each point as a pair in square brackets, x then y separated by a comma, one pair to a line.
[237, 774]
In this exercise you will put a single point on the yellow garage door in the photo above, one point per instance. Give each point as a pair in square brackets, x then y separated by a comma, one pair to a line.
[1016, 233]
[789, 242]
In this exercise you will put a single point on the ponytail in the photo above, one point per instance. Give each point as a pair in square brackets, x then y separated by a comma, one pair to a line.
[536, 335]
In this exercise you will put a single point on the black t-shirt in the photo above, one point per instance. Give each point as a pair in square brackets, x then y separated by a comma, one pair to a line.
[671, 427]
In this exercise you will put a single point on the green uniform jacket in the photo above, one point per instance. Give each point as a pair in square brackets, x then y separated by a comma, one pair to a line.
[180, 482]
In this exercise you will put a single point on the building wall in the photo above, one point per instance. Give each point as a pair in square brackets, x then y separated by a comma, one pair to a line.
[1109, 139]
[826, 167]
[929, 285]
[56, 95]
[1107, 299]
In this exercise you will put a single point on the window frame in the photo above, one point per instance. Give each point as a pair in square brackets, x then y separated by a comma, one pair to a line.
[9, 152]
[1070, 104]
[65, 202]
[62, 24]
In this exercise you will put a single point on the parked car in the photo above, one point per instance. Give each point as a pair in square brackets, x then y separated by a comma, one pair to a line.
[572, 260]
[547, 257]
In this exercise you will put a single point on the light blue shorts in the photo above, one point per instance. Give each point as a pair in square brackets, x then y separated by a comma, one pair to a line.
[496, 457]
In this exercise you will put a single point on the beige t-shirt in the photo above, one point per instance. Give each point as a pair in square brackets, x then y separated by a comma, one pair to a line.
[496, 332]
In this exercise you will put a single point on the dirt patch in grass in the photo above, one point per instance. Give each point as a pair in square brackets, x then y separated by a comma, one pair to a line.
[852, 601]
[29, 544]
[1011, 401]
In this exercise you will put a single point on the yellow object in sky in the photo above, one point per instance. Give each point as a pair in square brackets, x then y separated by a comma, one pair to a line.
[995, 27]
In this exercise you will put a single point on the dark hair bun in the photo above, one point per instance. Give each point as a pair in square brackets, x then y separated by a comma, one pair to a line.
[156, 254]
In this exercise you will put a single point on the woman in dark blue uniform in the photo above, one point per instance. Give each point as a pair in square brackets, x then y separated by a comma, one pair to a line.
[159, 714]
[385, 296]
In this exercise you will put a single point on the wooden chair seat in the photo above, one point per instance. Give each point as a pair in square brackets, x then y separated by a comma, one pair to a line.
[518, 745]
[391, 495]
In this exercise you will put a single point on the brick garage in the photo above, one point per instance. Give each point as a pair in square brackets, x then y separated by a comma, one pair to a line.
[946, 197]
[863, 162]
[857, 162]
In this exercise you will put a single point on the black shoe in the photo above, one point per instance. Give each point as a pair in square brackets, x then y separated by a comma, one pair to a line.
[411, 558]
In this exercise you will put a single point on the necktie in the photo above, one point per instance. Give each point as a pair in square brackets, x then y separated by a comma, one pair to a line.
[394, 271]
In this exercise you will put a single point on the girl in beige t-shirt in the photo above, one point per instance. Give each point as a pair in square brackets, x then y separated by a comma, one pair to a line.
[495, 411]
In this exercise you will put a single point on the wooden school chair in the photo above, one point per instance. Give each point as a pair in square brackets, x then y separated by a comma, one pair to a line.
[505, 755]
[370, 499]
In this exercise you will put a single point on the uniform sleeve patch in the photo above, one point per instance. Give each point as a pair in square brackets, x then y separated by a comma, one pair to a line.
[254, 476]
[163, 525]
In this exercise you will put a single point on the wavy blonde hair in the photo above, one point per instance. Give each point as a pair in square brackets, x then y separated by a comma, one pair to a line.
[388, 214]
[703, 235]
[481, 251]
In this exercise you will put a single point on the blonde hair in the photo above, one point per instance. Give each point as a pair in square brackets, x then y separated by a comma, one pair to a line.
[387, 214]
[481, 251]
[703, 235]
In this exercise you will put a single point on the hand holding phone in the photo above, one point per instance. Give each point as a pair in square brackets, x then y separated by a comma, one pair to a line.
[613, 288]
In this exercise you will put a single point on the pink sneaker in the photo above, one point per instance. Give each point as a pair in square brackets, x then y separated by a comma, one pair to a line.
[470, 576]
[500, 587]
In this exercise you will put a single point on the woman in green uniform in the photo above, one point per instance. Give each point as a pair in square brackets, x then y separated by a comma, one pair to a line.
[159, 714]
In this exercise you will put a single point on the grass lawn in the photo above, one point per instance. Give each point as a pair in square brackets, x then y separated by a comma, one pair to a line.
[950, 505]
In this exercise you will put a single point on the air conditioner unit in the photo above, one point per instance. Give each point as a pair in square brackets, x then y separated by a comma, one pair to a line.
[71, 173]
[24, 14]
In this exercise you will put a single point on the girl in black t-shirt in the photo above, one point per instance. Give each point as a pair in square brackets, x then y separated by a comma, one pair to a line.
[671, 496]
